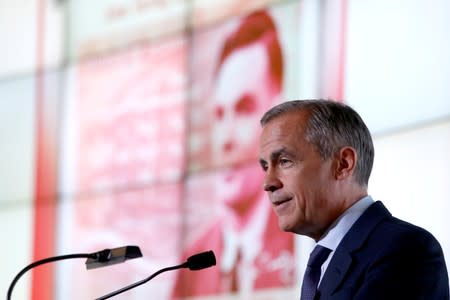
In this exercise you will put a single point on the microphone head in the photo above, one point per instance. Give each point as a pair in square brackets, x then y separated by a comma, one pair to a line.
[201, 260]
[109, 257]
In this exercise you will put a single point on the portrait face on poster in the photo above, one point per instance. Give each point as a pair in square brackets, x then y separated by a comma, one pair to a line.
[237, 75]
[237, 102]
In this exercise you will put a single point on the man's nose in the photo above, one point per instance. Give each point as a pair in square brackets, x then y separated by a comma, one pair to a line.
[271, 182]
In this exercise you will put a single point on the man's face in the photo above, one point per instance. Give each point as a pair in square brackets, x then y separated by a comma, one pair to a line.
[243, 91]
[298, 181]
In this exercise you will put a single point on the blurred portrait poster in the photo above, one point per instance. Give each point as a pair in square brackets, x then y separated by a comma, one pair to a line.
[237, 70]
[159, 150]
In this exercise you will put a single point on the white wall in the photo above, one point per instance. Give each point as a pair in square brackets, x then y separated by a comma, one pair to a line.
[397, 77]
[17, 115]
[411, 176]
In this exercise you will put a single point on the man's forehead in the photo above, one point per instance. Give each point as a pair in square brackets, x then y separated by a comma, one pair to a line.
[281, 130]
[285, 124]
[273, 136]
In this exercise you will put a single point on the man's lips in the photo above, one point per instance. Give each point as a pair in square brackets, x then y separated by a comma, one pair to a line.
[282, 206]
[278, 202]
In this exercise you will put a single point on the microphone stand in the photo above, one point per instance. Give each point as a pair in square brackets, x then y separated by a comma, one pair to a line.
[128, 287]
[44, 261]
[195, 262]
[98, 259]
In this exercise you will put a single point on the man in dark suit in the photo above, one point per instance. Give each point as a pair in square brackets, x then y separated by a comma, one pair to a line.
[317, 156]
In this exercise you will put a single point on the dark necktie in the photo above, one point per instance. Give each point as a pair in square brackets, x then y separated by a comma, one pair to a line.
[312, 274]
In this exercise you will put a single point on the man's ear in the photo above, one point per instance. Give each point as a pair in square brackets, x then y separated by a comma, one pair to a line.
[345, 162]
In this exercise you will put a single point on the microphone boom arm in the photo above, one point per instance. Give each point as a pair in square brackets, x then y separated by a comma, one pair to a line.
[195, 262]
[97, 259]
[129, 287]
[44, 261]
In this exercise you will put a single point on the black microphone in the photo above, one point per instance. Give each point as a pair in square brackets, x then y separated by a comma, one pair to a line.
[195, 262]
[98, 259]
[114, 256]
[201, 261]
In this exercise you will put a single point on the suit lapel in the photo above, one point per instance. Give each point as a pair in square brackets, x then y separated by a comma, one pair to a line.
[352, 241]
[338, 267]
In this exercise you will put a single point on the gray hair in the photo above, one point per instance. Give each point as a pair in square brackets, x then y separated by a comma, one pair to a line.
[329, 127]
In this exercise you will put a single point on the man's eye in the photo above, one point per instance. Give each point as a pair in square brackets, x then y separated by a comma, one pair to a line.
[285, 162]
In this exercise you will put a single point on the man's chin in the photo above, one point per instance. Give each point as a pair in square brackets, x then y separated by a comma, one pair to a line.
[286, 227]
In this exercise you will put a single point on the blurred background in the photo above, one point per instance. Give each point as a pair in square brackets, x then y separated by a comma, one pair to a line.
[137, 122]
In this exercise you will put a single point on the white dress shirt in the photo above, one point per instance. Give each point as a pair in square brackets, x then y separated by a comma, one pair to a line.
[334, 235]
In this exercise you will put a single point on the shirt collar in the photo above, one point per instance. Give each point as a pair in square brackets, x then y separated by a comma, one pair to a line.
[334, 235]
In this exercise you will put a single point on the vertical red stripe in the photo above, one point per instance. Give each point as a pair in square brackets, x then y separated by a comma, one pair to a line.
[45, 177]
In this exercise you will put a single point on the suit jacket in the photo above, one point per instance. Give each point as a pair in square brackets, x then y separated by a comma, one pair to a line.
[274, 265]
[382, 258]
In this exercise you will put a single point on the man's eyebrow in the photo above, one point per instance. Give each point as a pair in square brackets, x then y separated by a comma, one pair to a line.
[274, 155]
[277, 153]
